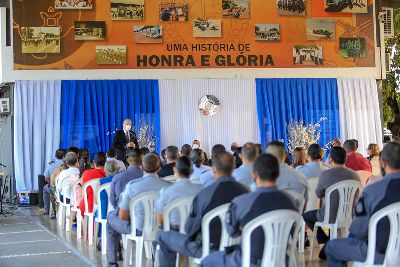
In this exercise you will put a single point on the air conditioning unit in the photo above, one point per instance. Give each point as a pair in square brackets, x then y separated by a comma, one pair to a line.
[4, 106]
[387, 20]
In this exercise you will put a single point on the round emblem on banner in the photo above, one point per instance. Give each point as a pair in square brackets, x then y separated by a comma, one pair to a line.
[209, 105]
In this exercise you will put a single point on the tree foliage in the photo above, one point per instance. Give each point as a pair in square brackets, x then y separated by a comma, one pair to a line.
[390, 88]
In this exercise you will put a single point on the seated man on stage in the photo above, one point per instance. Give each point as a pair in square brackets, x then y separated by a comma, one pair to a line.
[118, 221]
[124, 139]
[244, 208]
[222, 191]
[374, 198]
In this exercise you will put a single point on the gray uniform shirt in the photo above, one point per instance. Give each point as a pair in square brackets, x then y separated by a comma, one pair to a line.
[312, 169]
[243, 174]
[120, 180]
[327, 179]
[290, 180]
[149, 182]
[181, 188]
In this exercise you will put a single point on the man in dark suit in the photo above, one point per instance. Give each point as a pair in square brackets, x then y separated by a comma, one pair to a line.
[125, 139]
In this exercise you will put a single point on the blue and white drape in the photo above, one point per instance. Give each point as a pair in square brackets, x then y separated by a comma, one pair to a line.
[49, 114]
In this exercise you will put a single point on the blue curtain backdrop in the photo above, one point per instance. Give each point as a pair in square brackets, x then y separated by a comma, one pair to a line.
[91, 111]
[281, 100]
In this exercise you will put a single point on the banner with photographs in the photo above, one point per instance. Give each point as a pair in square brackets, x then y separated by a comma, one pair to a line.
[165, 34]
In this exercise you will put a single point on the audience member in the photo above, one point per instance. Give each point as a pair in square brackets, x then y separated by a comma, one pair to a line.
[145, 150]
[181, 188]
[120, 180]
[112, 155]
[118, 221]
[236, 155]
[246, 207]
[373, 157]
[53, 165]
[336, 174]
[288, 179]
[196, 144]
[185, 150]
[163, 158]
[300, 157]
[206, 178]
[221, 192]
[67, 177]
[335, 143]
[356, 161]
[172, 154]
[248, 155]
[314, 167]
[96, 173]
[374, 198]
[197, 157]
[260, 149]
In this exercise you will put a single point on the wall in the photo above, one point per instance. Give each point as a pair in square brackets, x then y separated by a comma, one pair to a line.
[8, 74]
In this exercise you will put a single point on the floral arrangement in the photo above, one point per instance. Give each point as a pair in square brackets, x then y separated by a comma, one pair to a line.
[300, 135]
[146, 136]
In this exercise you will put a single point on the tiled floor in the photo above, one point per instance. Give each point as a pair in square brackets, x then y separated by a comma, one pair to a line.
[30, 239]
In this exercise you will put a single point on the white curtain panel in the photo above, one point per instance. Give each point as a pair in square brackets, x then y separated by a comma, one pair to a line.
[182, 122]
[360, 116]
[36, 129]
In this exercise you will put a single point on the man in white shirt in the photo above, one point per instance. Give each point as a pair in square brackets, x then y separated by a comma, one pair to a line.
[248, 155]
[64, 178]
[112, 155]
[314, 167]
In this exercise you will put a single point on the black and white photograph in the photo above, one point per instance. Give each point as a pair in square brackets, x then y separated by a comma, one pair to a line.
[40, 40]
[127, 9]
[321, 29]
[237, 9]
[352, 47]
[173, 12]
[73, 4]
[148, 34]
[307, 55]
[346, 6]
[267, 32]
[207, 28]
[111, 55]
[90, 30]
[291, 7]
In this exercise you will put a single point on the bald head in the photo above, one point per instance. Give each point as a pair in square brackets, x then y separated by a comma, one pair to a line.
[223, 164]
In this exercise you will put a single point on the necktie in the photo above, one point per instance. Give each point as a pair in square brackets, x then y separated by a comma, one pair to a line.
[127, 136]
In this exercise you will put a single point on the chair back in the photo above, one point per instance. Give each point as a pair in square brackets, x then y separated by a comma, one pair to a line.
[57, 184]
[347, 191]
[150, 226]
[313, 200]
[299, 200]
[94, 184]
[277, 226]
[218, 212]
[183, 206]
[392, 257]
[74, 194]
[62, 183]
[170, 179]
[364, 175]
[103, 188]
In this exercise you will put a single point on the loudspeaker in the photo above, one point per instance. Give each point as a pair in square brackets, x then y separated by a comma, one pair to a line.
[41, 184]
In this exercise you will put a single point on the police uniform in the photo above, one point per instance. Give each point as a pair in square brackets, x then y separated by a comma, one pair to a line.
[242, 210]
[181, 188]
[220, 192]
[53, 165]
[115, 226]
[375, 197]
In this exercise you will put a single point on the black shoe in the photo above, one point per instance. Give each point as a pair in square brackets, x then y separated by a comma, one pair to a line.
[113, 264]
[46, 213]
[322, 254]
[119, 256]
[307, 243]
[53, 217]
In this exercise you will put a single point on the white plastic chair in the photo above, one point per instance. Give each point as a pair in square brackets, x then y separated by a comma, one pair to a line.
[277, 226]
[183, 206]
[88, 222]
[63, 207]
[75, 209]
[170, 179]
[150, 227]
[59, 204]
[225, 241]
[347, 191]
[392, 257]
[103, 188]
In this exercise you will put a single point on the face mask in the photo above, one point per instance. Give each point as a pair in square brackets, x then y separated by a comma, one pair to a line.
[128, 127]
[195, 146]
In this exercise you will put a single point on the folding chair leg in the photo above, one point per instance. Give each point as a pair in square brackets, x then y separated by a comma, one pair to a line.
[90, 230]
[67, 218]
[157, 257]
[78, 225]
[147, 250]
[96, 233]
[302, 237]
[85, 227]
[128, 251]
[139, 251]
[103, 239]
[60, 214]
[314, 232]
